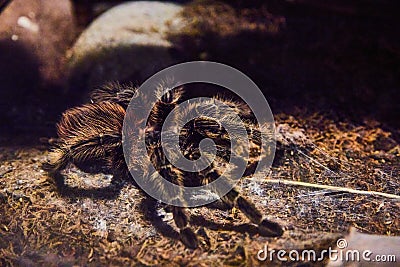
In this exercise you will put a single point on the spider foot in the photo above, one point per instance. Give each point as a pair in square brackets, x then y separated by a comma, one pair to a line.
[271, 229]
[189, 238]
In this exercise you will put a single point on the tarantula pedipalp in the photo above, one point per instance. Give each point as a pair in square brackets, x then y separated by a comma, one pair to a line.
[92, 135]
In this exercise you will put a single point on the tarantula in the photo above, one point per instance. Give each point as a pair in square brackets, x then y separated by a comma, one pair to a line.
[91, 135]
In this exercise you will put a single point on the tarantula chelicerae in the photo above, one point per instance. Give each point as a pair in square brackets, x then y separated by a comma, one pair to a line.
[91, 135]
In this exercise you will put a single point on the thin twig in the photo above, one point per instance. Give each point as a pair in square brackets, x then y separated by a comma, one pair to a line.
[332, 188]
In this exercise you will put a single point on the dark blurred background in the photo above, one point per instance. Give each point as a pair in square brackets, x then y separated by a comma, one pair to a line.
[339, 58]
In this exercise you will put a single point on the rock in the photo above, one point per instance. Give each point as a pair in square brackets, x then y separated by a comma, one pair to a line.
[127, 43]
[358, 249]
[34, 37]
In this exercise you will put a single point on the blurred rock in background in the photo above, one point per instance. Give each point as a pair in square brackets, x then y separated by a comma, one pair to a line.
[34, 36]
[126, 43]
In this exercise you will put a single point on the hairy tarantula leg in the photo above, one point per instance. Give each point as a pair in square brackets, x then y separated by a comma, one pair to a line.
[167, 171]
[168, 100]
[181, 218]
[114, 92]
[58, 161]
[265, 226]
[234, 199]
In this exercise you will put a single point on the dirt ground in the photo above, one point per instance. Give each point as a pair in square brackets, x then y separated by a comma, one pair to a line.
[85, 223]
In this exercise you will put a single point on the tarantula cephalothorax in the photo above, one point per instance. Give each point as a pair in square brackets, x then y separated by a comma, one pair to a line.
[91, 135]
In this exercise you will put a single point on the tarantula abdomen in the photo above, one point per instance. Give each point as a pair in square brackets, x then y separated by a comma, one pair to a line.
[88, 136]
